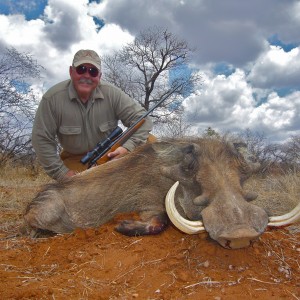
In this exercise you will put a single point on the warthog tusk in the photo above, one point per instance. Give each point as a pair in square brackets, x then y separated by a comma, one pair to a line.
[187, 226]
[286, 219]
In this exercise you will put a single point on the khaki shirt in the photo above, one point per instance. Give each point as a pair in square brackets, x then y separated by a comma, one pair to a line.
[78, 128]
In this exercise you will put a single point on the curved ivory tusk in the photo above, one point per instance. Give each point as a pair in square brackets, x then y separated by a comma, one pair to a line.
[286, 219]
[187, 226]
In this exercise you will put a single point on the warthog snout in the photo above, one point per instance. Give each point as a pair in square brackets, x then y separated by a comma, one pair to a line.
[233, 222]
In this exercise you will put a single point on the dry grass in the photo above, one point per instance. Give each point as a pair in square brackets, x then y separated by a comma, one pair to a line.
[18, 186]
[276, 194]
[11, 174]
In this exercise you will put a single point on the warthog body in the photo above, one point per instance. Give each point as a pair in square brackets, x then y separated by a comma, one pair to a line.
[210, 174]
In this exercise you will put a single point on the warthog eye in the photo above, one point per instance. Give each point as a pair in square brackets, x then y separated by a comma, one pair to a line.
[189, 162]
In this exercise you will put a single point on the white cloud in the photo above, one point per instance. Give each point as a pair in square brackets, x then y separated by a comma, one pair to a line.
[278, 115]
[16, 31]
[220, 100]
[276, 68]
[233, 31]
[227, 104]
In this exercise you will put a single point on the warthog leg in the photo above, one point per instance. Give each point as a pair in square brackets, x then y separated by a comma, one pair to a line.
[150, 223]
[286, 219]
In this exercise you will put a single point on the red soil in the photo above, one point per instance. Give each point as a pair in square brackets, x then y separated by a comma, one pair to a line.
[102, 264]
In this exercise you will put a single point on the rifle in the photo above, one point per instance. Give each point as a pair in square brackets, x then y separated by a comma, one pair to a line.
[116, 139]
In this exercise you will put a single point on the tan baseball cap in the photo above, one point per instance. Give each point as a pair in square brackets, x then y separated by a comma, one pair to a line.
[88, 57]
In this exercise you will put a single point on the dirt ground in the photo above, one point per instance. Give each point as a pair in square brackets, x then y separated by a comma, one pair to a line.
[102, 264]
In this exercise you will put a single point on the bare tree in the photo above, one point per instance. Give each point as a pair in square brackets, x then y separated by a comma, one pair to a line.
[293, 150]
[17, 102]
[273, 157]
[176, 127]
[288, 154]
[153, 67]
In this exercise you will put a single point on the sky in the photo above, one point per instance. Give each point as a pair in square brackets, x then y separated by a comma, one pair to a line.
[247, 52]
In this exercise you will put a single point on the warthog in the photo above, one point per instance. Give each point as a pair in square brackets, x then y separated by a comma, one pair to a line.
[209, 174]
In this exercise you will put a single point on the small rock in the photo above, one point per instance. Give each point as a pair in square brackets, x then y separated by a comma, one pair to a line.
[206, 264]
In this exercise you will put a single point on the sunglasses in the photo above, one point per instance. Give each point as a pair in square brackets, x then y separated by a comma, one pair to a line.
[94, 72]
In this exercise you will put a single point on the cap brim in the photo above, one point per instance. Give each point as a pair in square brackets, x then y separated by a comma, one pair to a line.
[86, 61]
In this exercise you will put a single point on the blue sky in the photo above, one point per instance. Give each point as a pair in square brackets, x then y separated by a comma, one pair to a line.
[247, 52]
[31, 9]
[275, 40]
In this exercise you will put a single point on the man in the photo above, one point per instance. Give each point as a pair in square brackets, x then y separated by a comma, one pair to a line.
[79, 113]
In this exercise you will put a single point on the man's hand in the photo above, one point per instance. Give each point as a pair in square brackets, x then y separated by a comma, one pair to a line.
[118, 153]
[70, 173]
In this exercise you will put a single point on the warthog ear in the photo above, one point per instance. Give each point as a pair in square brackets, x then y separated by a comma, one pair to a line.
[185, 167]
[168, 152]
[176, 152]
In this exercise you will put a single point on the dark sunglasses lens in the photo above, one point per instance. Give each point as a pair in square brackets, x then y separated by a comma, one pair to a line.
[81, 69]
[93, 72]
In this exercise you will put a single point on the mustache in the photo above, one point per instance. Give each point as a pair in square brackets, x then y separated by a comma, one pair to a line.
[85, 80]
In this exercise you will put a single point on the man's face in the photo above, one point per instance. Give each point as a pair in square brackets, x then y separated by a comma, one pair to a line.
[84, 83]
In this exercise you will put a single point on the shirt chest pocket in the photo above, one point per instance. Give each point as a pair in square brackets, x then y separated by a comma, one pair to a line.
[69, 130]
[70, 138]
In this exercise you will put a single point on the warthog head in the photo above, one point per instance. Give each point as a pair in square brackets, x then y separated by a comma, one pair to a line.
[211, 193]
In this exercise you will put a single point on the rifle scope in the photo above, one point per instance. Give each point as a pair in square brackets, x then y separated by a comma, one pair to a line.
[101, 145]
